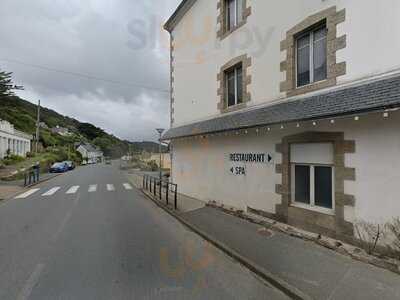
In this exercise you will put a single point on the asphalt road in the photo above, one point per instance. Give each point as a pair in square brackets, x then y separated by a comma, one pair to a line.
[89, 234]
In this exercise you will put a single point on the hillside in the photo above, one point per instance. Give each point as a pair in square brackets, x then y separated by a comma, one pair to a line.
[22, 114]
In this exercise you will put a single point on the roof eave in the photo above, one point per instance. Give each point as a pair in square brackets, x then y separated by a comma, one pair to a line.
[180, 11]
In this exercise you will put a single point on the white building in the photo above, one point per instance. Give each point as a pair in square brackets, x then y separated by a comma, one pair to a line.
[90, 153]
[61, 131]
[288, 109]
[19, 143]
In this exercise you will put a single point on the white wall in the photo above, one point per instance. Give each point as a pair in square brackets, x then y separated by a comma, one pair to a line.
[371, 26]
[201, 167]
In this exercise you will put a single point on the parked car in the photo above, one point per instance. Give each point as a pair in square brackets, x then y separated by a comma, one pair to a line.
[59, 167]
[70, 164]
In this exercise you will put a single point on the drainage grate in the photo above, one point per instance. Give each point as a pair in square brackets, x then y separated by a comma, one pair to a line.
[265, 232]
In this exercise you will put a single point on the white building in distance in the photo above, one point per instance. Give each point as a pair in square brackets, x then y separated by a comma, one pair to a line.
[17, 142]
[90, 153]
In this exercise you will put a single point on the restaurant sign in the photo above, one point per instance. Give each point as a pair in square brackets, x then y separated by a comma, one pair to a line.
[241, 160]
[250, 157]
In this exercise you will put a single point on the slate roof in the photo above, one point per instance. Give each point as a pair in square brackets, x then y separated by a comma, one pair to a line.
[377, 95]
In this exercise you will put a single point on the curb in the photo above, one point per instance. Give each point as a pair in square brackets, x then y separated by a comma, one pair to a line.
[41, 181]
[275, 281]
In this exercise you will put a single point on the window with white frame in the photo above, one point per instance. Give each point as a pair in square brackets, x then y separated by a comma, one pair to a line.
[234, 85]
[233, 13]
[311, 56]
[312, 176]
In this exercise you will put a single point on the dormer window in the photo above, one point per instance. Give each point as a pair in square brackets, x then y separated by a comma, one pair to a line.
[234, 13]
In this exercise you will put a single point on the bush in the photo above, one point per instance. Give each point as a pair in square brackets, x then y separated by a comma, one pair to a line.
[13, 159]
[394, 228]
[369, 234]
[153, 165]
[30, 154]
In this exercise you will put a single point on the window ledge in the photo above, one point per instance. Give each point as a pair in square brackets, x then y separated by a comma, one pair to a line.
[230, 31]
[234, 108]
[311, 84]
[325, 211]
[311, 87]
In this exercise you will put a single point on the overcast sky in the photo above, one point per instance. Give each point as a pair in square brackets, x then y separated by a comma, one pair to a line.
[119, 44]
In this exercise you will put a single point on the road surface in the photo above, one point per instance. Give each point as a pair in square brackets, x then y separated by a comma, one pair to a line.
[89, 234]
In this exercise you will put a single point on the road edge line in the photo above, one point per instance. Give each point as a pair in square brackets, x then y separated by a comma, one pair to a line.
[273, 280]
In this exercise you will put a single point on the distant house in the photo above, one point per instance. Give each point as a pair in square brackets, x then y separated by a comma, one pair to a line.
[13, 141]
[43, 125]
[90, 153]
[61, 131]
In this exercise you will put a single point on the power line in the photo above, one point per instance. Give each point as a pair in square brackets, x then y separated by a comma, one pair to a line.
[86, 76]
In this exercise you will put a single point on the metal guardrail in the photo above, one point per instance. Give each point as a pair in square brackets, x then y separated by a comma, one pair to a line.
[155, 186]
[31, 176]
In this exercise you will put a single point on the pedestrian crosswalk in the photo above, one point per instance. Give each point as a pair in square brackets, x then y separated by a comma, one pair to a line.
[73, 189]
[51, 191]
[92, 188]
[70, 190]
[110, 187]
[127, 186]
[27, 194]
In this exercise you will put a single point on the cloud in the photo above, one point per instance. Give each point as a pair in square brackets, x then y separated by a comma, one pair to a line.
[99, 38]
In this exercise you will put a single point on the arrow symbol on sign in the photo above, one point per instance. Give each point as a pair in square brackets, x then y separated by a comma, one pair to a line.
[269, 158]
[232, 170]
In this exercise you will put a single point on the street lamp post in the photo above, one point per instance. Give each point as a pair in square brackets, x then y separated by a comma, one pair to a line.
[160, 131]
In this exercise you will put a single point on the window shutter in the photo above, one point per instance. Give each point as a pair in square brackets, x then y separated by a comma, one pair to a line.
[312, 153]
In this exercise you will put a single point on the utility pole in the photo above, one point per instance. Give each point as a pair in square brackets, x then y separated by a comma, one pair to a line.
[160, 131]
[37, 128]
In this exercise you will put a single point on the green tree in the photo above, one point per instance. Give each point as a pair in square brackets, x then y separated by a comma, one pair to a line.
[6, 85]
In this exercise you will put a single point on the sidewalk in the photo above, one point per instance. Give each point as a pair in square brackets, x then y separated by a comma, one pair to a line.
[11, 188]
[303, 268]
[313, 270]
[7, 191]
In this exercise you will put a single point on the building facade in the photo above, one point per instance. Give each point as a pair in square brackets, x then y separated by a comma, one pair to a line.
[90, 153]
[13, 141]
[288, 109]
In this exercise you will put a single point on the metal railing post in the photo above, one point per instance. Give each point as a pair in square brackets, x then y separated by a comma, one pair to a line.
[151, 183]
[160, 189]
[176, 197]
[155, 187]
[167, 192]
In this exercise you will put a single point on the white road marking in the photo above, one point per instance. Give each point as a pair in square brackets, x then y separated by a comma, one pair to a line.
[110, 187]
[51, 191]
[30, 283]
[127, 186]
[73, 189]
[27, 194]
[92, 188]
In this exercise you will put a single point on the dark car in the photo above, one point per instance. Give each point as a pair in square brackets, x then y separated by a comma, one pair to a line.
[59, 168]
[70, 164]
